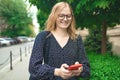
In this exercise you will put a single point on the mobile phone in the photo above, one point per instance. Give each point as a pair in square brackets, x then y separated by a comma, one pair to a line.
[74, 67]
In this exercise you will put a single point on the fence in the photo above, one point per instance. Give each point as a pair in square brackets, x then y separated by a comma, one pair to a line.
[9, 59]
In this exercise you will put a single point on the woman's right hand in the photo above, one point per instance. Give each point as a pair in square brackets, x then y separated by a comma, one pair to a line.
[63, 72]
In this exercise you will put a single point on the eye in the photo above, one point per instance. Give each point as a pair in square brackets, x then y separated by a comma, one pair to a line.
[61, 15]
[69, 16]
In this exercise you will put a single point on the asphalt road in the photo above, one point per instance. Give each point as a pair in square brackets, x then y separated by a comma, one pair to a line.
[16, 50]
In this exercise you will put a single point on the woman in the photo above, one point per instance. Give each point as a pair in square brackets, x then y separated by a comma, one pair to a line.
[59, 47]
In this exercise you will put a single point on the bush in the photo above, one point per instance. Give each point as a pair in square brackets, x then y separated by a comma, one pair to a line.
[93, 41]
[104, 67]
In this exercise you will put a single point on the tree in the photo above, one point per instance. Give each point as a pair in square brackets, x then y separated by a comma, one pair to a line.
[94, 40]
[102, 13]
[44, 8]
[16, 16]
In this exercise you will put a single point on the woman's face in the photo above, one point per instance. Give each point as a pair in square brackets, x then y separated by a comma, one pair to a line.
[64, 18]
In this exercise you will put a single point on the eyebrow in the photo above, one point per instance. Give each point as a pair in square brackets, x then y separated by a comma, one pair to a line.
[65, 14]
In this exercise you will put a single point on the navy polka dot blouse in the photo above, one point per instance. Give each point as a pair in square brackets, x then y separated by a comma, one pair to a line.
[47, 55]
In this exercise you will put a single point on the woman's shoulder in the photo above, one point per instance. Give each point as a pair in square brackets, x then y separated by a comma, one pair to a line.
[43, 33]
[78, 36]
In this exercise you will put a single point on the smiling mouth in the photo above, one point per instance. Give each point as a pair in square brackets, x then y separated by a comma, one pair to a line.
[65, 23]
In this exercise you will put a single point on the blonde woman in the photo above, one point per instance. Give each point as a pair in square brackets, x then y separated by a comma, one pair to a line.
[58, 47]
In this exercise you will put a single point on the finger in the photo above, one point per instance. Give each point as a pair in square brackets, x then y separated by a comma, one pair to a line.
[76, 62]
[64, 68]
[67, 75]
[81, 68]
[65, 65]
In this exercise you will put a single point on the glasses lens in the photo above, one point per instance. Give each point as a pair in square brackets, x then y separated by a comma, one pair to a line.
[69, 17]
[62, 16]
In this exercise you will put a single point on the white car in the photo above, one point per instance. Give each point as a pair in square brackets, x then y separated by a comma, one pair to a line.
[11, 40]
[4, 42]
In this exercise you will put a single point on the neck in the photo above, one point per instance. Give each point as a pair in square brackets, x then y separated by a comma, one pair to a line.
[60, 32]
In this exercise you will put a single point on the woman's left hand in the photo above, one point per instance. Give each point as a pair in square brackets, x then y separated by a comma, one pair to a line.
[77, 72]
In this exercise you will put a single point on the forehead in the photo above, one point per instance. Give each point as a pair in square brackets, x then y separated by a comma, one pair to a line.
[65, 10]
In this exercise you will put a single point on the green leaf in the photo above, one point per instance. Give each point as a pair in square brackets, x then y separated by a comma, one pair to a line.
[101, 4]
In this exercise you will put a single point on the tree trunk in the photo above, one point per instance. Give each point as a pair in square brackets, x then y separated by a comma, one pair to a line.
[104, 38]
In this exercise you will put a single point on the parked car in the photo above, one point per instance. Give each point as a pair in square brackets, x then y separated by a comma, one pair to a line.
[29, 39]
[12, 41]
[4, 42]
[22, 39]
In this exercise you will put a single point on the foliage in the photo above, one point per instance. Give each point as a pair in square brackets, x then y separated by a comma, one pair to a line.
[16, 16]
[44, 8]
[94, 12]
[93, 41]
[104, 67]
[87, 12]
[41, 18]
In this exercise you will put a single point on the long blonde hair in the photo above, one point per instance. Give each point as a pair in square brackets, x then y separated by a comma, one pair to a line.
[51, 21]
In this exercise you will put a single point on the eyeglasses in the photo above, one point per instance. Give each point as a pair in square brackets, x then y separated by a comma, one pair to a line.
[62, 16]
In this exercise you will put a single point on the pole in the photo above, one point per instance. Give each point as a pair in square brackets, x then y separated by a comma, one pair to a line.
[11, 68]
[20, 54]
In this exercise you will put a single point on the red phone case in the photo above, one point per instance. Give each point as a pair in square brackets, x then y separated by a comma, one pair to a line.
[74, 67]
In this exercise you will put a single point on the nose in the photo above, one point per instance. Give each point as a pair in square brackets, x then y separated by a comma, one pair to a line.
[65, 18]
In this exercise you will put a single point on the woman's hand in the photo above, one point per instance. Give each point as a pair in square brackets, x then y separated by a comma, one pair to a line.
[63, 72]
[77, 72]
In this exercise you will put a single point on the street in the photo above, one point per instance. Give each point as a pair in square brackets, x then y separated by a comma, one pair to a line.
[16, 50]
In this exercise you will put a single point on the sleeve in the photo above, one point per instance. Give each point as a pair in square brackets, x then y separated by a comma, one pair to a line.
[39, 71]
[83, 59]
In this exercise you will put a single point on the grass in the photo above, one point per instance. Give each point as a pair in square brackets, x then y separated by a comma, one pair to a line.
[104, 67]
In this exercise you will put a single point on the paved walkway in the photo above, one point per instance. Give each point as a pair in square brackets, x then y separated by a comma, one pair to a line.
[19, 72]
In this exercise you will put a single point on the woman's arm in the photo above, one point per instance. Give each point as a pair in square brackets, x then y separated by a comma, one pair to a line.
[83, 59]
[36, 68]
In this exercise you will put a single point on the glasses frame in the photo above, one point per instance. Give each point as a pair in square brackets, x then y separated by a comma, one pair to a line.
[63, 16]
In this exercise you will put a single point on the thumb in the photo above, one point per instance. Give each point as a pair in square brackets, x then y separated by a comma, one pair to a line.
[65, 66]
[76, 62]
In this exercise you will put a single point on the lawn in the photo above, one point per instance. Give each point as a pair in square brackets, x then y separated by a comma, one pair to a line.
[104, 67]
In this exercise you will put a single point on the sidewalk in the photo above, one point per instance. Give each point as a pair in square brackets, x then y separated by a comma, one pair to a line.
[19, 72]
